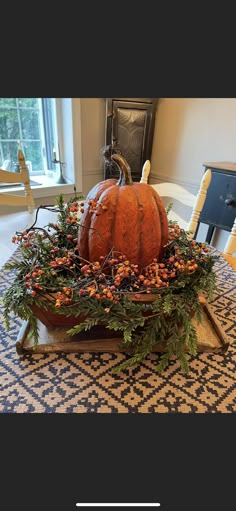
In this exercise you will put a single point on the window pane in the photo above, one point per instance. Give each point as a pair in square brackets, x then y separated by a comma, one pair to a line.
[9, 127]
[29, 124]
[29, 102]
[32, 152]
[9, 151]
[7, 101]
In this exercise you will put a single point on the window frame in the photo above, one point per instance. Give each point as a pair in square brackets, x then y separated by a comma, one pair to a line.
[69, 137]
[47, 132]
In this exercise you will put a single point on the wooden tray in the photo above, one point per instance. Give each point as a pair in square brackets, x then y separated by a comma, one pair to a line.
[211, 338]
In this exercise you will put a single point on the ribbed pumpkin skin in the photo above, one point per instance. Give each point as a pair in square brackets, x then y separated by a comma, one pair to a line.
[99, 188]
[135, 224]
[85, 218]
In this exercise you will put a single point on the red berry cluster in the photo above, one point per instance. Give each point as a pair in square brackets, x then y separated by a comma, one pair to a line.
[24, 239]
[54, 266]
[174, 231]
[34, 280]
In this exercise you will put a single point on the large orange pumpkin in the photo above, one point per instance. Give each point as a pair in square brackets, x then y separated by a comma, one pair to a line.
[133, 221]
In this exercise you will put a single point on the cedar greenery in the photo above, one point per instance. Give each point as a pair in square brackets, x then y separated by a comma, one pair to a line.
[51, 274]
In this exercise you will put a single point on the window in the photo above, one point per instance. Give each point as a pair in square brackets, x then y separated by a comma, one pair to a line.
[37, 126]
[28, 124]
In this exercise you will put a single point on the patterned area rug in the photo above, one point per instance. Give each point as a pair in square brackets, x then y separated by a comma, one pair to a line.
[81, 383]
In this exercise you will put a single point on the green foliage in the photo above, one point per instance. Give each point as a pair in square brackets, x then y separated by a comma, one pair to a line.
[50, 274]
[169, 207]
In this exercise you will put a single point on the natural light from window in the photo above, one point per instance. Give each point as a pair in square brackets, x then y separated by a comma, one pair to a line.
[29, 124]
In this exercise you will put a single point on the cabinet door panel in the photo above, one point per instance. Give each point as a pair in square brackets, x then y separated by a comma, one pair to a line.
[129, 132]
[220, 205]
[130, 126]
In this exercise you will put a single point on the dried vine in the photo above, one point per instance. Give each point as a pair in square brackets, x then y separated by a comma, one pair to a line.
[51, 274]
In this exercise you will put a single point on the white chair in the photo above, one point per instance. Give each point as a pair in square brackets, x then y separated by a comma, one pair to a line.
[6, 177]
[5, 164]
[173, 191]
[182, 200]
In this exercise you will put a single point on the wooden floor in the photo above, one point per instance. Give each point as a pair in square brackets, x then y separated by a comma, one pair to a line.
[231, 260]
[12, 222]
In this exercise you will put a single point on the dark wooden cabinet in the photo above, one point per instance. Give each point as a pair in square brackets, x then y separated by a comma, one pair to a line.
[129, 128]
[219, 209]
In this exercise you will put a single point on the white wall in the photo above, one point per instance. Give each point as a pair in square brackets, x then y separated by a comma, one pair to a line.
[93, 111]
[83, 122]
[189, 132]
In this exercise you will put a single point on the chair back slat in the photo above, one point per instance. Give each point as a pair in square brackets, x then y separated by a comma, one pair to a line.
[196, 204]
[7, 177]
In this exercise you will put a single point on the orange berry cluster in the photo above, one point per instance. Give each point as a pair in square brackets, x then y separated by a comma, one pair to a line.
[54, 264]
[64, 297]
[74, 207]
[62, 261]
[72, 212]
[96, 207]
[199, 248]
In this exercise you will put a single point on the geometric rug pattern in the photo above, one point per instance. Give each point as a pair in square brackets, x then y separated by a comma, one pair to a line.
[84, 383]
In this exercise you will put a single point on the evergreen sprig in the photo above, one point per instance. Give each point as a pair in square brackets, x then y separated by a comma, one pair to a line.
[50, 274]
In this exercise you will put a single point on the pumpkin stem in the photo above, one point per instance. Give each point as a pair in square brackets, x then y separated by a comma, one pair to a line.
[124, 168]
